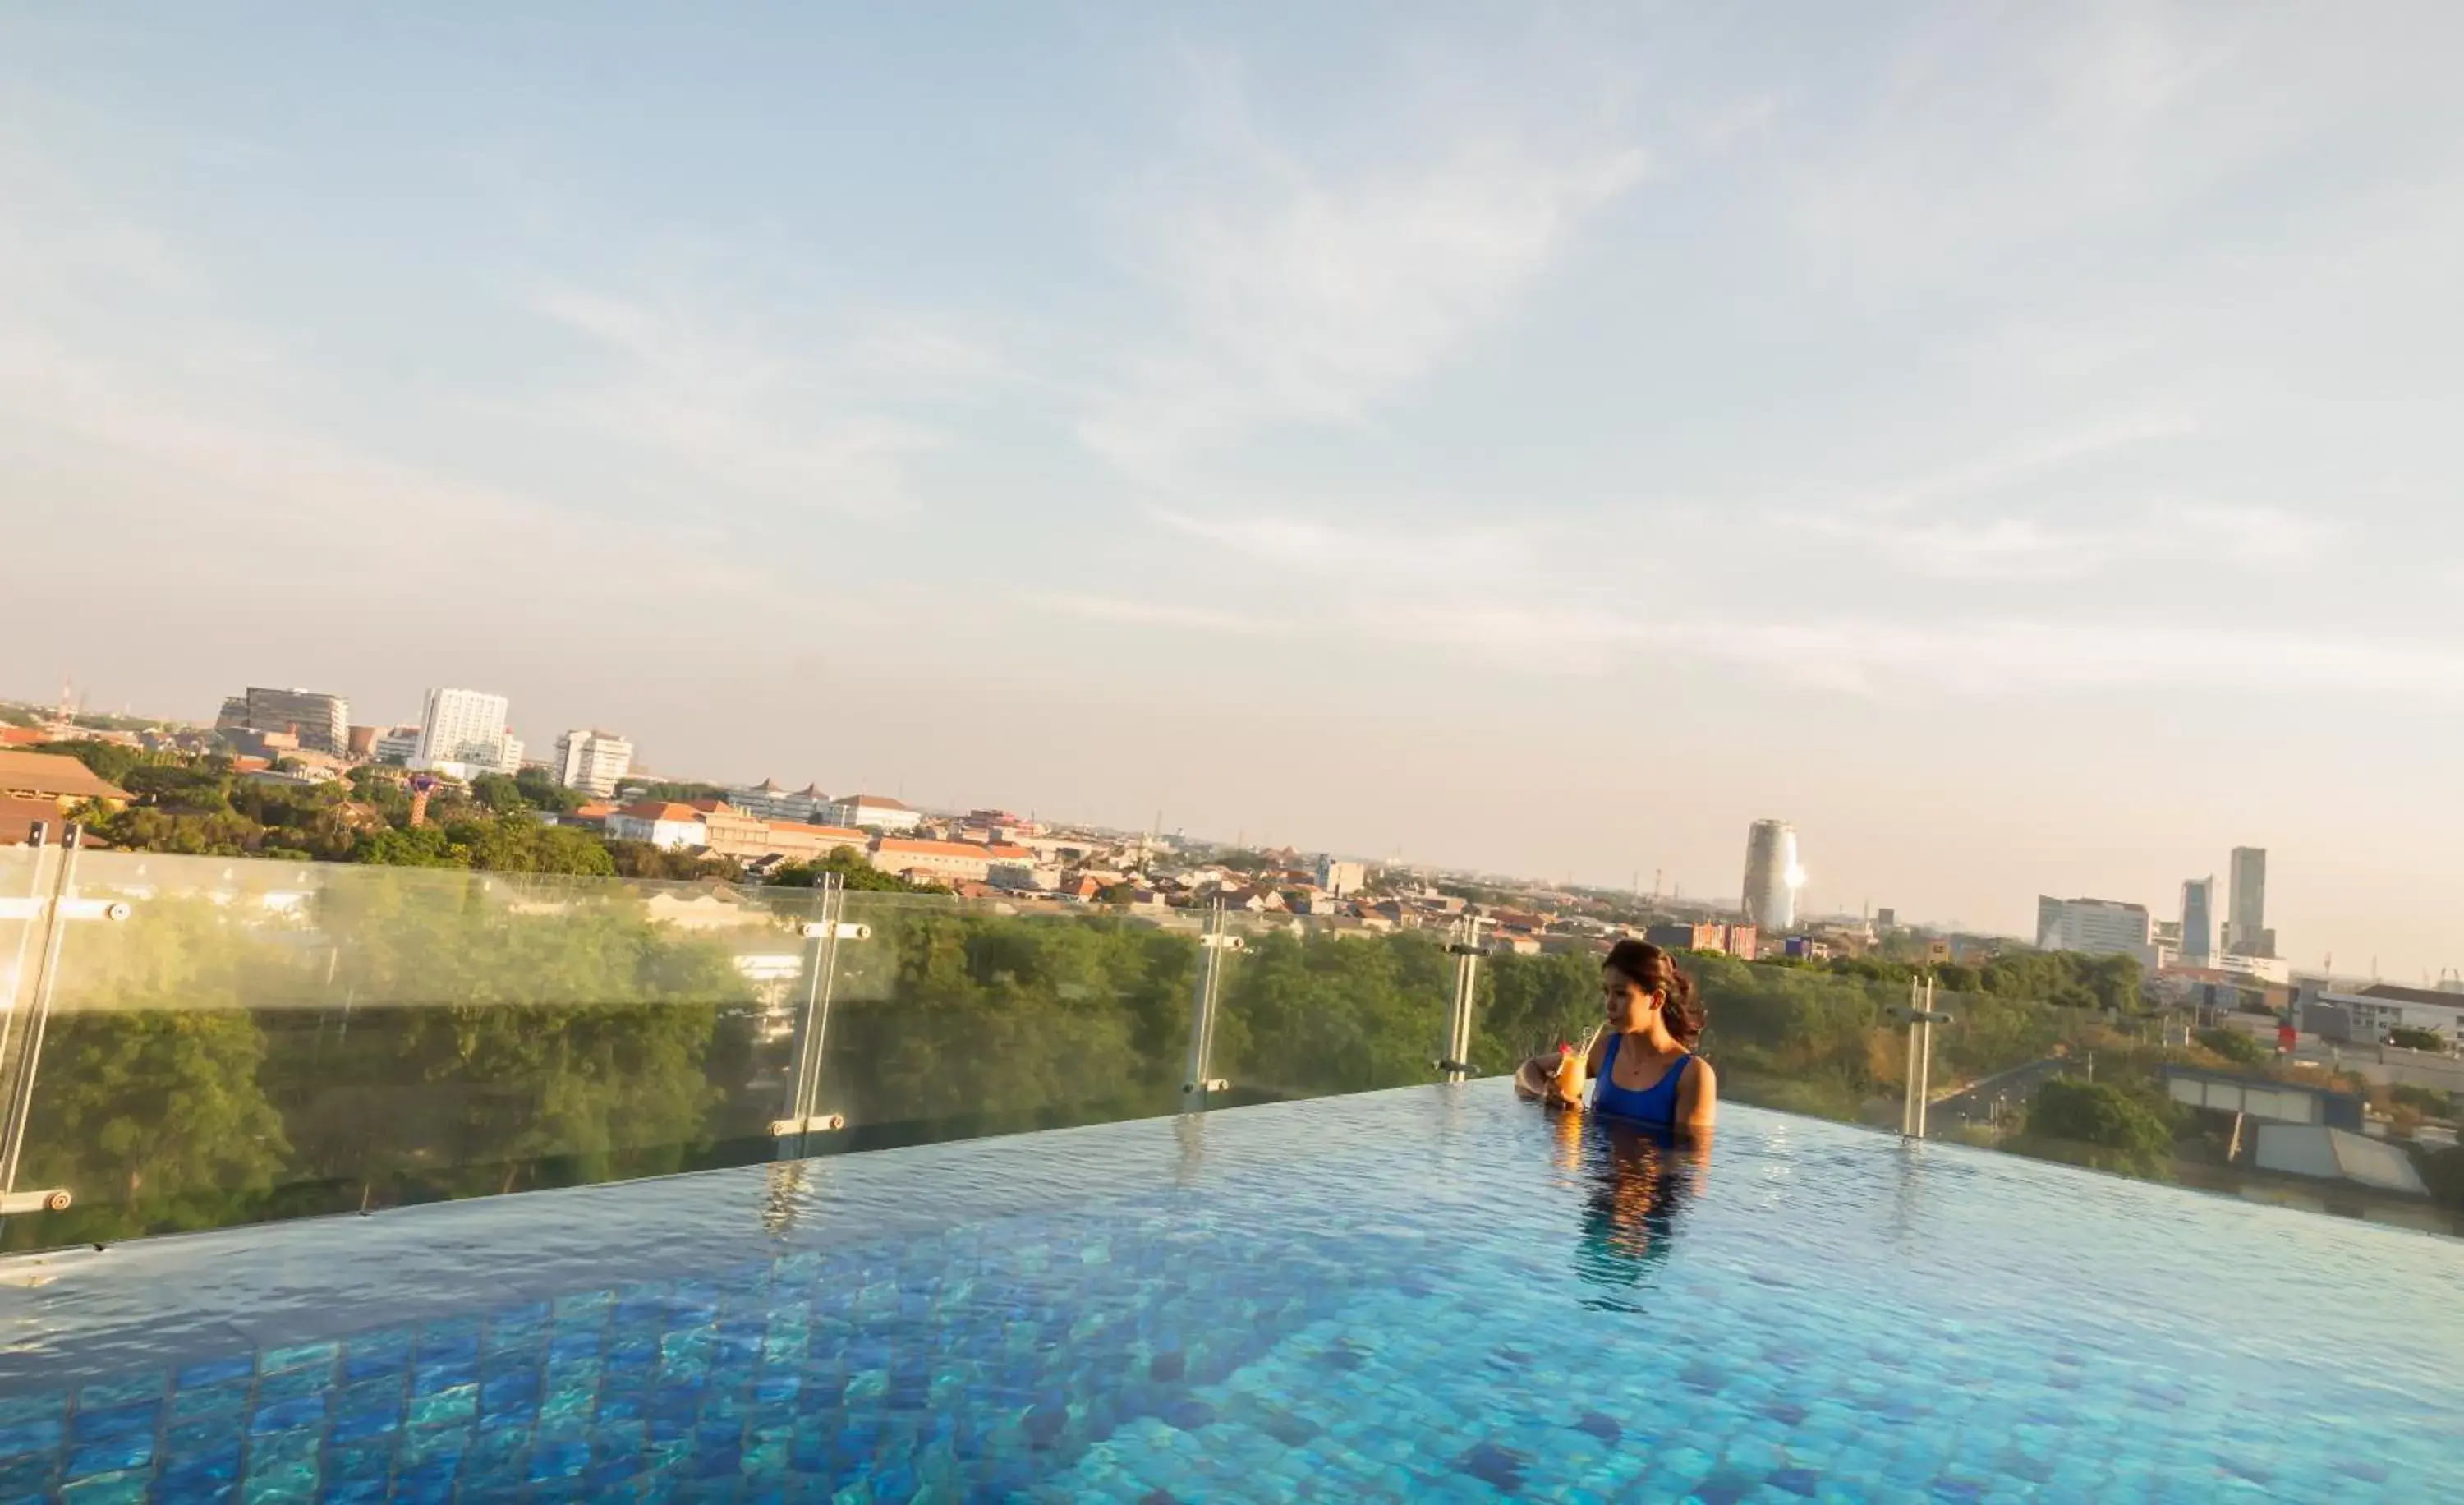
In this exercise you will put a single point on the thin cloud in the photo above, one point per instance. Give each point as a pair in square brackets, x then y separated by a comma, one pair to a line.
[2033, 548]
[2026, 460]
[1303, 293]
[736, 408]
[1132, 612]
[1360, 551]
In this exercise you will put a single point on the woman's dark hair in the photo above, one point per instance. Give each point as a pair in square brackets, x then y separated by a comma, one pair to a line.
[1648, 968]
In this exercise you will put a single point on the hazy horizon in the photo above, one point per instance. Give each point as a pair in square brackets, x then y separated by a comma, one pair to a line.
[2014, 446]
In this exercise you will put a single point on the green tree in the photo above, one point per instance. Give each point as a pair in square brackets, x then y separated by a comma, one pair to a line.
[501, 794]
[2413, 1039]
[2235, 1046]
[854, 870]
[2099, 1125]
[539, 789]
[108, 761]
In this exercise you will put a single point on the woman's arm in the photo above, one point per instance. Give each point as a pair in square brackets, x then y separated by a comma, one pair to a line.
[1698, 1097]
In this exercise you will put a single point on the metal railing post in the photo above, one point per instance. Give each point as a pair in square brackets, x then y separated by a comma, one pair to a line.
[1214, 940]
[1925, 1059]
[1455, 1063]
[1909, 1078]
[800, 1113]
[29, 1038]
[1922, 1017]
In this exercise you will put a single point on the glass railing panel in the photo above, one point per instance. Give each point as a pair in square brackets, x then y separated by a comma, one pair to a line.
[948, 1018]
[268, 1039]
[1312, 1007]
[2213, 1106]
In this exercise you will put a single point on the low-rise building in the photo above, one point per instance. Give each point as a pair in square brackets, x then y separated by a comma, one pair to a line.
[770, 801]
[64, 782]
[662, 822]
[875, 811]
[1341, 878]
[2367, 1015]
[933, 861]
[1703, 935]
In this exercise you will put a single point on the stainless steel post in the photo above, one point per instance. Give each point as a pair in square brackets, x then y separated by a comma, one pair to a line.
[1908, 1078]
[801, 1109]
[1197, 1079]
[38, 1009]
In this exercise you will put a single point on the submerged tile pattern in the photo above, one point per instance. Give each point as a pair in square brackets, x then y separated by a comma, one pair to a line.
[1384, 1298]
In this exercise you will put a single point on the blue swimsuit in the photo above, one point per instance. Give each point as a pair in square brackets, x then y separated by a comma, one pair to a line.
[1655, 1104]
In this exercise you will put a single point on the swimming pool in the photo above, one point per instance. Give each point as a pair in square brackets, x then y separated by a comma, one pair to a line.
[1433, 1293]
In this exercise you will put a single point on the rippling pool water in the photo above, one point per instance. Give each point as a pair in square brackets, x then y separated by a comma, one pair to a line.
[1433, 1293]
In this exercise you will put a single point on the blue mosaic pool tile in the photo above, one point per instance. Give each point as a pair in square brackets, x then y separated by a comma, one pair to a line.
[284, 1463]
[110, 1454]
[300, 1356]
[108, 1488]
[456, 1405]
[34, 1437]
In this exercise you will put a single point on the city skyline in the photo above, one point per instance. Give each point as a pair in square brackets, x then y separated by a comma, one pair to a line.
[1771, 859]
[2014, 449]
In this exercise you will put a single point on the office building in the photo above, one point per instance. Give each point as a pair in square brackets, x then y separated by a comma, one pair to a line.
[322, 723]
[2198, 921]
[463, 733]
[2097, 925]
[1772, 876]
[395, 744]
[2246, 931]
[593, 761]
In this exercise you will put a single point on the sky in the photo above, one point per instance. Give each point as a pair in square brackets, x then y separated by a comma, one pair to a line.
[2016, 444]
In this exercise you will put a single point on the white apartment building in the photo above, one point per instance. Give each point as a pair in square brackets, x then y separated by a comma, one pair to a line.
[593, 761]
[662, 822]
[2097, 925]
[462, 732]
[874, 810]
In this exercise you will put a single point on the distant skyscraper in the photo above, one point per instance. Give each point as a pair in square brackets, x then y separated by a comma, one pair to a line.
[1772, 876]
[466, 730]
[320, 722]
[2198, 921]
[2246, 932]
[593, 762]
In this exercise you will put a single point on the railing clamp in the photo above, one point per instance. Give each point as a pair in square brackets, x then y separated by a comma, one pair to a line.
[818, 1123]
[30, 909]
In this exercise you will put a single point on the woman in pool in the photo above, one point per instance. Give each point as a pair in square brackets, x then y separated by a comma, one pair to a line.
[1642, 1064]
